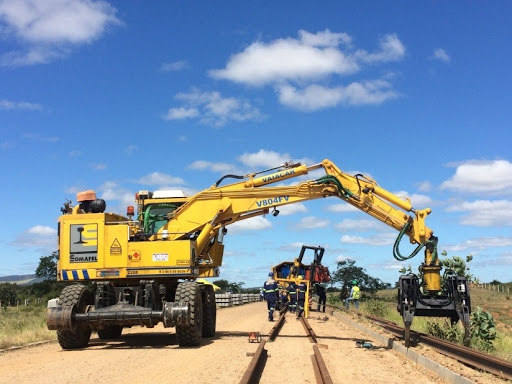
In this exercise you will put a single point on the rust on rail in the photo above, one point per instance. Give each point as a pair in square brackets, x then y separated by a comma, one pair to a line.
[253, 373]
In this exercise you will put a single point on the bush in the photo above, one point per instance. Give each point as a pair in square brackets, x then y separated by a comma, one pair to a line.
[333, 299]
[376, 308]
[483, 330]
[446, 331]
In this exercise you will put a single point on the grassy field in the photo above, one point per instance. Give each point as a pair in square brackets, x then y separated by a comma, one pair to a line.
[24, 325]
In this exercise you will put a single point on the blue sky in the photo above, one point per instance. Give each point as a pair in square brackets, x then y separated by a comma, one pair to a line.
[123, 96]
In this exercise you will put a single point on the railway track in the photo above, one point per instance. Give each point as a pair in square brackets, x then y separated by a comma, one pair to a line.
[471, 357]
[468, 356]
[257, 365]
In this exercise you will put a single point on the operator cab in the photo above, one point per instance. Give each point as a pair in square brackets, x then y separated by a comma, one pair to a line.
[155, 207]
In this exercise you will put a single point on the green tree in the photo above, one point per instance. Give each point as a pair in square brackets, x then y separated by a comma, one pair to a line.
[223, 284]
[347, 271]
[8, 294]
[47, 267]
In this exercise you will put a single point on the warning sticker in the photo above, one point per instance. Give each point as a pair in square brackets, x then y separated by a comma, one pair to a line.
[115, 248]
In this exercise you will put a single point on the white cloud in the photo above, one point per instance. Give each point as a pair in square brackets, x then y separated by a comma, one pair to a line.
[390, 49]
[213, 109]
[417, 200]
[310, 57]
[484, 213]
[174, 66]
[424, 186]
[315, 97]
[157, 178]
[441, 55]
[214, 167]
[290, 209]
[40, 236]
[42, 230]
[342, 208]
[99, 167]
[324, 39]
[359, 225]
[75, 153]
[492, 177]
[312, 222]
[257, 223]
[48, 29]
[11, 105]
[113, 192]
[181, 113]
[377, 239]
[479, 244]
[131, 148]
[264, 158]
[286, 59]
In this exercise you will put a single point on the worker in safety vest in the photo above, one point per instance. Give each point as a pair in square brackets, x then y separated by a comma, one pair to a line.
[301, 296]
[271, 291]
[292, 292]
[354, 295]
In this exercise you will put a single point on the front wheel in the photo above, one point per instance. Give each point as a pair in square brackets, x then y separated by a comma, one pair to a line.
[209, 312]
[190, 335]
[79, 296]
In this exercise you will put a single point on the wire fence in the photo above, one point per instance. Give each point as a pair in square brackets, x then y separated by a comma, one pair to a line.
[494, 287]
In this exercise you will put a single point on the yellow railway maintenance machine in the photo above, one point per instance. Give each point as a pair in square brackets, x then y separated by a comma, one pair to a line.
[288, 271]
[141, 268]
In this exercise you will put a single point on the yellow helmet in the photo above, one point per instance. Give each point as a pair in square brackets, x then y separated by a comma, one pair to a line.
[300, 277]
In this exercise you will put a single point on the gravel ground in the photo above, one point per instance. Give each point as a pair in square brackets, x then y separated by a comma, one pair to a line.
[152, 356]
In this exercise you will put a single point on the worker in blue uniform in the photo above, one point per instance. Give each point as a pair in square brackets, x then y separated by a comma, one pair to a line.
[301, 296]
[271, 291]
[292, 293]
[283, 297]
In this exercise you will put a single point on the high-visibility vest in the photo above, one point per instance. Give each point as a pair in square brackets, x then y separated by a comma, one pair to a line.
[355, 292]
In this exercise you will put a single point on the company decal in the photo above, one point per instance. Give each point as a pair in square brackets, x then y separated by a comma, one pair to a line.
[272, 201]
[278, 175]
[108, 273]
[160, 257]
[169, 271]
[83, 258]
[83, 245]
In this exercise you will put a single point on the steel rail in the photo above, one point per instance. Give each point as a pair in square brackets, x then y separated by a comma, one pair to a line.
[276, 328]
[309, 331]
[472, 357]
[322, 375]
[253, 373]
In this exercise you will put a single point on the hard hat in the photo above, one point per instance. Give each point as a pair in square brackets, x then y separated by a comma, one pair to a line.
[270, 274]
[354, 282]
[299, 277]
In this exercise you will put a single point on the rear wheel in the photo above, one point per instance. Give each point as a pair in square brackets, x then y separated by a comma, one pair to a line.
[81, 297]
[113, 332]
[209, 312]
[190, 335]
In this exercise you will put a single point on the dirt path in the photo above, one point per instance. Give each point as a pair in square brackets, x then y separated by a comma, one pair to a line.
[152, 356]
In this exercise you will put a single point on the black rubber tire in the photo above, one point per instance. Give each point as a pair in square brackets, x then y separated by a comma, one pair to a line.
[80, 296]
[209, 312]
[113, 332]
[190, 335]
